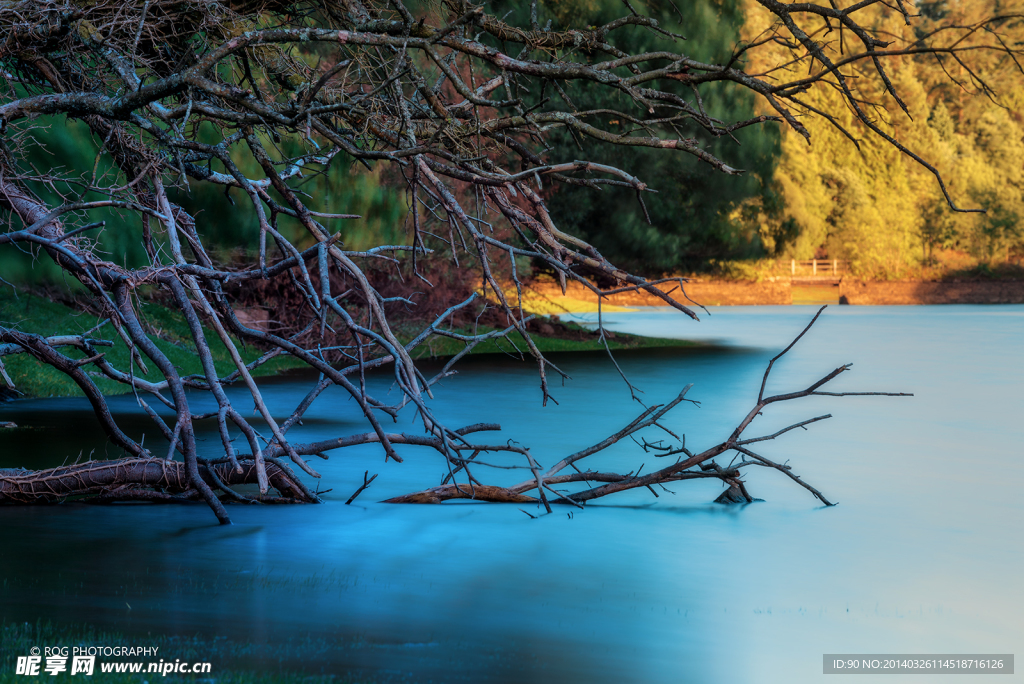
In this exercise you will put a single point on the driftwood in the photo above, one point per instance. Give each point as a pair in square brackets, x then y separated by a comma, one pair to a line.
[144, 479]
[686, 466]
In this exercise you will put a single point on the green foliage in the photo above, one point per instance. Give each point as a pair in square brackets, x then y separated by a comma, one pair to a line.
[692, 214]
[874, 207]
[229, 218]
[224, 220]
[882, 210]
[67, 145]
[756, 270]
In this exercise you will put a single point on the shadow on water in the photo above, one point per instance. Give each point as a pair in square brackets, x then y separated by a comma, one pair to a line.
[234, 531]
[732, 510]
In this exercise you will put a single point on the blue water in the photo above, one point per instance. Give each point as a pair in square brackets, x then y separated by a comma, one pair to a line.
[923, 554]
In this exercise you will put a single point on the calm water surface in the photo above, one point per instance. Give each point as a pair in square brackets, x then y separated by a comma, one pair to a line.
[923, 554]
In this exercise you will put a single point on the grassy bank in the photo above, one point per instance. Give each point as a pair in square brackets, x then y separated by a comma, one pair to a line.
[28, 311]
[566, 337]
[31, 312]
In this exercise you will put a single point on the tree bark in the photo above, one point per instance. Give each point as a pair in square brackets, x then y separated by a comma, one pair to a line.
[139, 479]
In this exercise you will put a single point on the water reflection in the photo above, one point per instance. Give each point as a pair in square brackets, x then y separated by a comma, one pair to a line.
[922, 554]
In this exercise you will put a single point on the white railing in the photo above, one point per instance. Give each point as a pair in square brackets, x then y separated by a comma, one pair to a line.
[818, 267]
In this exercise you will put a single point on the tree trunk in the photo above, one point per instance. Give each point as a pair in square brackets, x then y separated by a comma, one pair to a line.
[140, 479]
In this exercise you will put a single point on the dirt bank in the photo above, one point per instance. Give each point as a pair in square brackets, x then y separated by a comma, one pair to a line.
[708, 293]
[931, 292]
[785, 291]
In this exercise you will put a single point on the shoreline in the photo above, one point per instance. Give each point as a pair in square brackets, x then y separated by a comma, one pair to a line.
[546, 299]
[35, 380]
[788, 291]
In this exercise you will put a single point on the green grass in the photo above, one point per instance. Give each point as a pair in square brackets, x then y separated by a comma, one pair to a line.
[230, 662]
[580, 340]
[30, 312]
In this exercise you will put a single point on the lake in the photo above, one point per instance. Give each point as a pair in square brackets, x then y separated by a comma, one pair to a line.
[923, 554]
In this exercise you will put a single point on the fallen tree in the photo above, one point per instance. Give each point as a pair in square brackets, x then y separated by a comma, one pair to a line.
[253, 97]
[681, 469]
[146, 479]
[161, 480]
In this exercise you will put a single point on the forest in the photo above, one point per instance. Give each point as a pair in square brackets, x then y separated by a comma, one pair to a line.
[878, 208]
[846, 195]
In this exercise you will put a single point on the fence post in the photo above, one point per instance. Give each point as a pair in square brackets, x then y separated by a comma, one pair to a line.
[792, 266]
[814, 267]
[834, 264]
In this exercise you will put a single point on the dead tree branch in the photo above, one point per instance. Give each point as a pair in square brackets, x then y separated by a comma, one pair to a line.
[259, 97]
